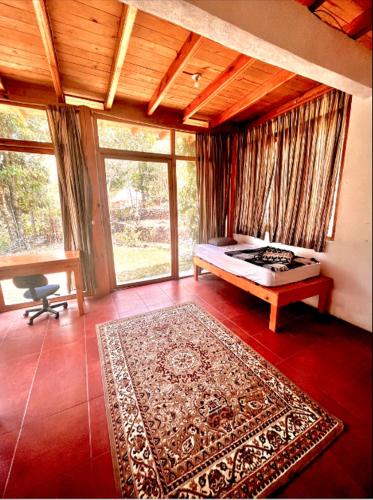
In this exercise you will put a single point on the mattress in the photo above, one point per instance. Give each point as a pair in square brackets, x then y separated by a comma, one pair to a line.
[260, 275]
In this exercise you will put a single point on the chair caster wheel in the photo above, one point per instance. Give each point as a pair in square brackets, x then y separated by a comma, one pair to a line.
[65, 306]
[25, 314]
[57, 315]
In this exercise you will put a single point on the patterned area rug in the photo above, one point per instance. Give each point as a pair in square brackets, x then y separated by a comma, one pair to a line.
[195, 413]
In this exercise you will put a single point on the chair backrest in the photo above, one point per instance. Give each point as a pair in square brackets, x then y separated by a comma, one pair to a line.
[31, 281]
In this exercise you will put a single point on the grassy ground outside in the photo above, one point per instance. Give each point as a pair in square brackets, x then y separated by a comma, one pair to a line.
[136, 263]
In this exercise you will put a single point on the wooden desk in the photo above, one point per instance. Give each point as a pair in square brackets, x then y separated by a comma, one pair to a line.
[44, 263]
[277, 296]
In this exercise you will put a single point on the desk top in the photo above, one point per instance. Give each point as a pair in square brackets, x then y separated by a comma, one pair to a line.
[11, 261]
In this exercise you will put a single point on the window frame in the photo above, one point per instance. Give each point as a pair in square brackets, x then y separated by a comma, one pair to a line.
[32, 147]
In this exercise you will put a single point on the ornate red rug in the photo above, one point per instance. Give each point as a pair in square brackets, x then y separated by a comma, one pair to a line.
[195, 413]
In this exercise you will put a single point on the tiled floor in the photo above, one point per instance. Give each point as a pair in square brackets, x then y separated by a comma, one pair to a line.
[53, 433]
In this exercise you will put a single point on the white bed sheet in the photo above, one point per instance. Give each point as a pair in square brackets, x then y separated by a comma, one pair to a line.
[261, 275]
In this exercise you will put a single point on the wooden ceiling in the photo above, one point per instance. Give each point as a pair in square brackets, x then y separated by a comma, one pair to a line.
[352, 17]
[104, 50]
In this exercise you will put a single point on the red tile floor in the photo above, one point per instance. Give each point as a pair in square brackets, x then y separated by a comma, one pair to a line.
[53, 431]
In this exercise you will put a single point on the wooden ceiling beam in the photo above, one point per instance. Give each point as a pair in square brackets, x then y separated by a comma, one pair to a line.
[2, 87]
[189, 48]
[47, 39]
[359, 26]
[312, 5]
[238, 66]
[271, 84]
[39, 96]
[314, 93]
[127, 21]
[315, 5]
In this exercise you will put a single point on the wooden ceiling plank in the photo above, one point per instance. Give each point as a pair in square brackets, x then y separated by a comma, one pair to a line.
[261, 91]
[84, 16]
[186, 52]
[127, 22]
[314, 93]
[240, 64]
[47, 39]
[359, 26]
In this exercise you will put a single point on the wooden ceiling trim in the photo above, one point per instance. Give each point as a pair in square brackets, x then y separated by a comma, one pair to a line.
[198, 123]
[314, 93]
[46, 35]
[315, 4]
[268, 86]
[312, 5]
[127, 22]
[2, 87]
[240, 64]
[306, 3]
[359, 26]
[190, 46]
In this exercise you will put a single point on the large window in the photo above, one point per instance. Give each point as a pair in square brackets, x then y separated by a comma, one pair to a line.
[30, 211]
[23, 124]
[152, 200]
[119, 135]
[29, 203]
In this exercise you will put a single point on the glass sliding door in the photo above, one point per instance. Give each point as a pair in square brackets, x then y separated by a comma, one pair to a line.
[139, 209]
[187, 210]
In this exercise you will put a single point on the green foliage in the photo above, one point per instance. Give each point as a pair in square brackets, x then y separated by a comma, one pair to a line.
[117, 135]
[187, 199]
[29, 199]
[185, 144]
[24, 124]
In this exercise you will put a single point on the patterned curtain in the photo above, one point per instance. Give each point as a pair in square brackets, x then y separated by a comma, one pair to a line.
[75, 188]
[310, 144]
[256, 160]
[213, 162]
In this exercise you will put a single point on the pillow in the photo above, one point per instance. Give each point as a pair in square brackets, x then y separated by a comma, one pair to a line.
[222, 241]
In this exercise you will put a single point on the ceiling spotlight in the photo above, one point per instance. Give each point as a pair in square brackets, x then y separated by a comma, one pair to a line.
[196, 78]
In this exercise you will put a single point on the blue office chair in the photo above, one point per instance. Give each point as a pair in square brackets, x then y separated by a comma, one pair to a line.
[38, 289]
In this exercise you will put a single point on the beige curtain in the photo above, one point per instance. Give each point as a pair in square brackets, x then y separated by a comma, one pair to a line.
[75, 188]
[213, 163]
[310, 144]
[256, 160]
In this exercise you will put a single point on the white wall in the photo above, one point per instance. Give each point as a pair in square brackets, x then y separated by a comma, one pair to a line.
[348, 259]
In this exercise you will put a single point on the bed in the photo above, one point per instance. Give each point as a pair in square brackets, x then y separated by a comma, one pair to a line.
[275, 287]
[222, 257]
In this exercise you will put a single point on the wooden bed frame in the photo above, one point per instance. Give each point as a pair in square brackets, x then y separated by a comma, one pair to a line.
[276, 296]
